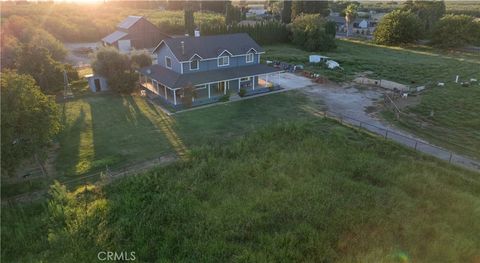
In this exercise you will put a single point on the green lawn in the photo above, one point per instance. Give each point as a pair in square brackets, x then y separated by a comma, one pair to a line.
[303, 191]
[455, 123]
[114, 131]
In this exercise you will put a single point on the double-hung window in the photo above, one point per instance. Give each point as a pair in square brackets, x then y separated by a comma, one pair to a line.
[194, 64]
[249, 58]
[168, 62]
[223, 61]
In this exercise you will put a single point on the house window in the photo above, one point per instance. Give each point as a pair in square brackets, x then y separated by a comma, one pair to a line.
[168, 62]
[245, 79]
[223, 61]
[250, 57]
[194, 65]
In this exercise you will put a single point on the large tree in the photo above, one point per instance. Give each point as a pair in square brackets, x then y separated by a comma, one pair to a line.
[287, 12]
[309, 7]
[398, 27]
[37, 62]
[30, 119]
[116, 68]
[429, 12]
[455, 31]
[308, 32]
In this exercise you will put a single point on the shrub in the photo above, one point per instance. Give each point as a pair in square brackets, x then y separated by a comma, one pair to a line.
[263, 33]
[455, 31]
[398, 27]
[224, 98]
[331, 28]
[242, 92]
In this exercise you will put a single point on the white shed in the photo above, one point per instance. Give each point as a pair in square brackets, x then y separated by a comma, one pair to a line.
[97, 83]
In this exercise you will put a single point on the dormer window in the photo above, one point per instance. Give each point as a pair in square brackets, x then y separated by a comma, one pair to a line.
[168, 62]
[249, 58]
[223, 61]
[194, 64]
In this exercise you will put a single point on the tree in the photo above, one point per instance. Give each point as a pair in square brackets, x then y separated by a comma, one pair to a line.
[37, 62]
[140, 60]
[233, 15]
[455, 31]
[116, 68]
[429, 12]
[308, 32]
[350, 15]
[29, 121]
[287, 12]
[309, 7]
[331, 28]
[398, 27]
[188, 94]
[189, 21]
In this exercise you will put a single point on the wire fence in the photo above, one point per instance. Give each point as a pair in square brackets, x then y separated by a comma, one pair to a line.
[406, 140]
[388, 134]
[98, 177]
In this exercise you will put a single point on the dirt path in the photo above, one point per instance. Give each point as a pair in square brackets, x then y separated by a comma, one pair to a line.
[360, 105]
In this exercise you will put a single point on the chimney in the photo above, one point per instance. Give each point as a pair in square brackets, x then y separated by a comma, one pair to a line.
[182, 43]
[197, 32]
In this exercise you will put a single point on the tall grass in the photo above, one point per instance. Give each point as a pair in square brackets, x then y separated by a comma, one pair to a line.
[300, 191]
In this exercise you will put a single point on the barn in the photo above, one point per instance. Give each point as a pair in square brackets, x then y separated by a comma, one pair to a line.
[135, 32]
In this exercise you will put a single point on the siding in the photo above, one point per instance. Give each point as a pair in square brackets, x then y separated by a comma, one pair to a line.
[165, 51]
[211, 64]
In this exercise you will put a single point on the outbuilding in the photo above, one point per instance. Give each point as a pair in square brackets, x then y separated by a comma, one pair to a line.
[97, 83]
[135, 32]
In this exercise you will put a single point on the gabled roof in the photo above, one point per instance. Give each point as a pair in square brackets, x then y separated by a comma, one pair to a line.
[129, 22]
[211, 46]
[114, 37]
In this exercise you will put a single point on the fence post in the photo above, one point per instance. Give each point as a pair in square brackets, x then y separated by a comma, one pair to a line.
[386, 134]
[450, 159]
[416, 142]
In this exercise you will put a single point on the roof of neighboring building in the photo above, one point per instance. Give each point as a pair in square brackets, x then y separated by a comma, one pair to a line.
[129, 21]
[114, 37]
[175, 80]
[211, 46]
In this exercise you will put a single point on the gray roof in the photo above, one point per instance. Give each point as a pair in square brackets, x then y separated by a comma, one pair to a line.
[211, 46]
[129, 21]
[175, 80]
[114, 37]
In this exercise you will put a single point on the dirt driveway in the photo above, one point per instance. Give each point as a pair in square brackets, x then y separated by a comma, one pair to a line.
[357, 105]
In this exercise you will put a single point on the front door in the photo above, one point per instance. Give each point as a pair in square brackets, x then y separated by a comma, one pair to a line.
[97, 85]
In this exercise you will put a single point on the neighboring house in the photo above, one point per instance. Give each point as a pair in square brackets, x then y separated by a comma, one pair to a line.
[214, 65]
[357, 24]
[256, 10]
[135, 32]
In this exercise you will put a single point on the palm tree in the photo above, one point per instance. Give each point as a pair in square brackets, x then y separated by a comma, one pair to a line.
[350, 15]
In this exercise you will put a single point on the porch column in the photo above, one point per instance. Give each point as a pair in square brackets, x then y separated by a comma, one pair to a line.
[225, 87]
[174, 97]
[209, 90]
[166, 96]
[239, 85]
[253, 80]
[158, 89]
[266, 80]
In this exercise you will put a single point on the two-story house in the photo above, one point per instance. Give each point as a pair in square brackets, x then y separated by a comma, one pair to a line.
[214, 65]
[134, 32]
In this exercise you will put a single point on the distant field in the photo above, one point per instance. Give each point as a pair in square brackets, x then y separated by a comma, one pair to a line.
[90, 23]
[455, 123]
[303, 191]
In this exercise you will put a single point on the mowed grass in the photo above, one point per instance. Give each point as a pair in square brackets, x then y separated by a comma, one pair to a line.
[113, 130]
[455, 123]
[301, 191]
